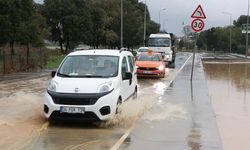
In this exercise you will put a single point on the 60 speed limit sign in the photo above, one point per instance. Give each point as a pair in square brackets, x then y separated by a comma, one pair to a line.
[197, 25]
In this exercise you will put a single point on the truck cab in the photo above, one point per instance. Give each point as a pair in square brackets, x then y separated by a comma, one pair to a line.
[163, 43]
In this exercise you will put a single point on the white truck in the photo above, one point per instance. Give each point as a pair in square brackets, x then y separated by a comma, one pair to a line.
[163, 43]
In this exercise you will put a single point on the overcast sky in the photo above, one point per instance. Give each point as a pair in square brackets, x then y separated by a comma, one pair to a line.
[178, 11]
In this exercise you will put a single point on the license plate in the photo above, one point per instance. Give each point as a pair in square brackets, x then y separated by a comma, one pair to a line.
[147, 72]
[72, 110]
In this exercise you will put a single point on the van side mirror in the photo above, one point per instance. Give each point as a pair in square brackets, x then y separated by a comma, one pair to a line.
[53, 73]
[127, 76]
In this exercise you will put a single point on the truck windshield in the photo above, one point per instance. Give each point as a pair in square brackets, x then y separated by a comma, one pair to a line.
[89, 66]
[158, 42]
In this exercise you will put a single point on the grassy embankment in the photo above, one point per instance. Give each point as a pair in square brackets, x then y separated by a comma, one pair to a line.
[54, 61]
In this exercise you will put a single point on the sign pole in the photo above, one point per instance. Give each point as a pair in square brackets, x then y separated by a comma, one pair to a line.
[247, 29]
[194, 50]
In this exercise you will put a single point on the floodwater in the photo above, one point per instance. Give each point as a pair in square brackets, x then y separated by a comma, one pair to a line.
[23, 126]
[229, 86]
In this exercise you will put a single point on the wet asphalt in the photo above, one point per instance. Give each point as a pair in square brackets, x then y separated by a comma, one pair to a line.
[179, 116]
[195, 130]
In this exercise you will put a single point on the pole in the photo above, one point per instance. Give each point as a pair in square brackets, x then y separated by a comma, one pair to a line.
[195, 47]
[164, 25]
[247, 28]
[145, 21]
[121, 23]
[160, 17]
[230, 33]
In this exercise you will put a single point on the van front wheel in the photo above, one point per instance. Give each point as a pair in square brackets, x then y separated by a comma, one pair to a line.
[118, 109]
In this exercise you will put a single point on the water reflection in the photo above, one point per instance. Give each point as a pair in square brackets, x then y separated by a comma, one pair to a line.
[229, 88]
[235, 74]
[194, 137]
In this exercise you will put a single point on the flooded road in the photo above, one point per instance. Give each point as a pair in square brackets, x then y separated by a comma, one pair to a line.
[182, 118]
[22, 125]
[229, 86]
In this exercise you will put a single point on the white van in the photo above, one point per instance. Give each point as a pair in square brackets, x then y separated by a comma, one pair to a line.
[90, 84]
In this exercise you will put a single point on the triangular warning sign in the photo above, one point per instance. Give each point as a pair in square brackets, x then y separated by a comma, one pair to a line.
[199, 13]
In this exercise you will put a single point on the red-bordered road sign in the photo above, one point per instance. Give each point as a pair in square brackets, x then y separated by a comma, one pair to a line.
[197, 25]
[199, 13]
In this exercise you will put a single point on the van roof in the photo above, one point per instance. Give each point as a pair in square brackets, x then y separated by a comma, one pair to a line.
[159, 35]
[107, 52]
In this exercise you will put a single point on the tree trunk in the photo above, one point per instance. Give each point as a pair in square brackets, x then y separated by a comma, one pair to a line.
[67, 45]
[61, 46]
[12, 48]
[4, 66]
[27, 55]
[12, 52]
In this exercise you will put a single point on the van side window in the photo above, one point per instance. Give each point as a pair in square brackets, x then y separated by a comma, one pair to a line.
[124, 66]
[131, 63]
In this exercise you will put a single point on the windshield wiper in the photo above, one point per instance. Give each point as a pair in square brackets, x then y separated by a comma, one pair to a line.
[63, 75]
[92, 76]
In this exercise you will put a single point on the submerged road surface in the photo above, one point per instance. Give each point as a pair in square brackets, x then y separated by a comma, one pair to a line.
[182, 118]
[229, 86]
[166, 115]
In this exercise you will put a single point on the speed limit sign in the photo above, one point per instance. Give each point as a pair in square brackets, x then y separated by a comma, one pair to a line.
[197, 25]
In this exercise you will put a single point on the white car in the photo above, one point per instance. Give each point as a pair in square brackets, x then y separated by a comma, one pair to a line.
[90, 84]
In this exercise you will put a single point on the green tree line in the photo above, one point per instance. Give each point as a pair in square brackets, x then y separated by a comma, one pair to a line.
[218, 38]
[72, 22]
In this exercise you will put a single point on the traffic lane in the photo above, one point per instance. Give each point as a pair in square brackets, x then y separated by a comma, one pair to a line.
[104, 136]
[21, 112]
[75, 135]
[181, 58]
[182, 118]
[70, 136]
[21, 98]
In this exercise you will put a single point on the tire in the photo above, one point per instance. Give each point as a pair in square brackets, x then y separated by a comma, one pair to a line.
[163, 76]
[135, 94]
[119, 102]
[52, 121]
[171, 64]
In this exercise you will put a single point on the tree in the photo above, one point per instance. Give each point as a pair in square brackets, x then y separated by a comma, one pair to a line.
[181, 44]
[66, 19]
[241, 20]
[18, 24]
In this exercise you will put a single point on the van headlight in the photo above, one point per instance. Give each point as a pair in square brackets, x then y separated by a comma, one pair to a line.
[52, 86]
[106, 87]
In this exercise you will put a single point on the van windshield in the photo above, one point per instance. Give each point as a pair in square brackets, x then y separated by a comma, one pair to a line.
[159, 42]
[89, 66]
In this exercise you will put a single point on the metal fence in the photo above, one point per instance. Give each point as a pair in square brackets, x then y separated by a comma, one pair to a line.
[19, 61]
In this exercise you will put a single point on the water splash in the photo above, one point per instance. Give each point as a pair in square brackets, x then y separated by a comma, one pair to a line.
[19, 107]
[164, 111]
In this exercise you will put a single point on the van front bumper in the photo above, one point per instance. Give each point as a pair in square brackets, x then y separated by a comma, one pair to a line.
[97, 106]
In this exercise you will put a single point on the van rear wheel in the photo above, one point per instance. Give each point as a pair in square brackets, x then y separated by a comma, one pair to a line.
[135, 94]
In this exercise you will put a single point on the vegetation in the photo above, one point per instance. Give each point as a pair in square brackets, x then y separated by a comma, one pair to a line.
[218, 39]
[54, 61]
[24, 23]
[95, 22]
